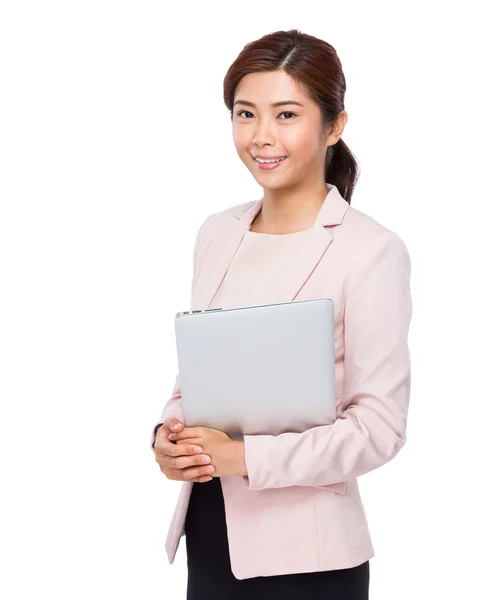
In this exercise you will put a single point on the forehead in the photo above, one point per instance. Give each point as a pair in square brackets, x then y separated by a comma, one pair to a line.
[265, 88]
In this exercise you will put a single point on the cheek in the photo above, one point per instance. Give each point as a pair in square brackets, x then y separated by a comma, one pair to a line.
[241, 142]
[299, 144]
[239, 134]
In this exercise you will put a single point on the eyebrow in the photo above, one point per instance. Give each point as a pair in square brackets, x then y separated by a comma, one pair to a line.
[282, 103]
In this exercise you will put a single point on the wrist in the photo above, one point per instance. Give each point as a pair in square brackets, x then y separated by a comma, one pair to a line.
[239, 455]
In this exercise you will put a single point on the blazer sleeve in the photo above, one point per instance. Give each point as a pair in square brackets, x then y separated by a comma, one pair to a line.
[376, 388]
[173, 406]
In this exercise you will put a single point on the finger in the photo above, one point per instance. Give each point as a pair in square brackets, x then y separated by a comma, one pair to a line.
[188, 441]
[173, 424]
[202, 479]
[193, 472]
[164, 431]
[184, 462]
[188, 432]
[186, 449]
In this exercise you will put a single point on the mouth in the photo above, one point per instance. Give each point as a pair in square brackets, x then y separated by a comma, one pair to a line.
[269, 164]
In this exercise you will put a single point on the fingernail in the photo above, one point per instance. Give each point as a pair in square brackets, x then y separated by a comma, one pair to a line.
[205, 459]
[171, 436]
[198, 450]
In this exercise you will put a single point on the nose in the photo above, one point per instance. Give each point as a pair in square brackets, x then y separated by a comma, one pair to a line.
[263, 133]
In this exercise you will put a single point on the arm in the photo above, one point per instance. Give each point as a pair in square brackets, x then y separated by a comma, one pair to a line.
[173, 406]
[371, 429]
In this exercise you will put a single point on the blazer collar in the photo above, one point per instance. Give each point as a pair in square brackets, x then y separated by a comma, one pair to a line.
[286, 287]
[331, 212]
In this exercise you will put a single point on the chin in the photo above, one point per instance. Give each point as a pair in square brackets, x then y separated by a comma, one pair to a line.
[276, 185]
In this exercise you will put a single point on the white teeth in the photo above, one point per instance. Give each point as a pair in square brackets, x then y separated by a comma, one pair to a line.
[271, 161]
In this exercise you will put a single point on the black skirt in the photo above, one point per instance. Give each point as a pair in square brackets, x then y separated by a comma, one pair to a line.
[209, 568]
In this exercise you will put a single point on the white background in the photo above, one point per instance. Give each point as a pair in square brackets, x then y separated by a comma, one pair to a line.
[115, 146]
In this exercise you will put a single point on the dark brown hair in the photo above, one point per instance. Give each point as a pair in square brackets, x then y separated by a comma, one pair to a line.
[314, 65]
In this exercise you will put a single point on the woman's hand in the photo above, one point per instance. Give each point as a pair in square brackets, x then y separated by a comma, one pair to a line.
[226, 455]
[180, 462]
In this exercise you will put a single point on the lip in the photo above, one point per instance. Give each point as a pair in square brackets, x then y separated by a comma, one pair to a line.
[268, 157]
[269, 166]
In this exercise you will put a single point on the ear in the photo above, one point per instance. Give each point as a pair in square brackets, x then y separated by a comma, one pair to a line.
[337, 128]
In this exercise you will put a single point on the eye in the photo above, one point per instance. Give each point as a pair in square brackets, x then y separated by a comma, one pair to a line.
[239, 114]
[287, 112]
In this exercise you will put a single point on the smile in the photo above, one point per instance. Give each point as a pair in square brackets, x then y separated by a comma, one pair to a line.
[270, 164]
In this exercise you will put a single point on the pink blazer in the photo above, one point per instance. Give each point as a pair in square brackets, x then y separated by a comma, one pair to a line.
[299, 509]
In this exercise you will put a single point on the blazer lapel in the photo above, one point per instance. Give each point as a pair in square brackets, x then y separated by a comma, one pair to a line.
[301, 266]
[222, 250]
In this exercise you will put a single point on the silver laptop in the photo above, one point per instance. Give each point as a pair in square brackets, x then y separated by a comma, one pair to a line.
[262, 369]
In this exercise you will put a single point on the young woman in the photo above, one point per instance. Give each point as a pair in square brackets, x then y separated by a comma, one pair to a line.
[281, 516]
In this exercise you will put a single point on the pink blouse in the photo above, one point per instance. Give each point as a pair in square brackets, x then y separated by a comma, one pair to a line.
[260, 257]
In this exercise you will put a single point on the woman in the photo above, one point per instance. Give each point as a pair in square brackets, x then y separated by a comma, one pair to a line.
[281, 516]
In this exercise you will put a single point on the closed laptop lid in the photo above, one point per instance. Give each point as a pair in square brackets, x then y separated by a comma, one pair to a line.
[261, 369]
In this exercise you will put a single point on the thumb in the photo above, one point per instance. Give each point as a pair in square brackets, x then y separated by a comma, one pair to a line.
[174, 425]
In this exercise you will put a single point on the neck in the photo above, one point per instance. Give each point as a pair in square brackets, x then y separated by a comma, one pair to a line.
[287, 211]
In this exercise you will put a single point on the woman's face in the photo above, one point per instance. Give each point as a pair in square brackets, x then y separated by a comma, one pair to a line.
[289, 130]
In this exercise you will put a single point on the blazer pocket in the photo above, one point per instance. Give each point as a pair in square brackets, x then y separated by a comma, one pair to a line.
[340, 487]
